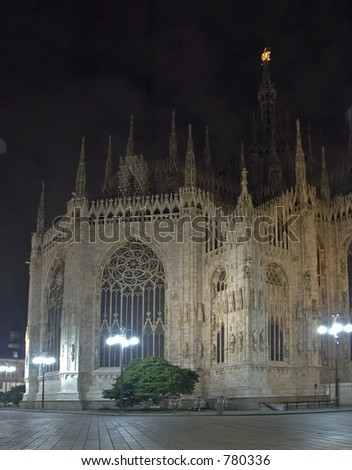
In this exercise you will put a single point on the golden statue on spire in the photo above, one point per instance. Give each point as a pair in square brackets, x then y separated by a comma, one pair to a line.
[266, 55]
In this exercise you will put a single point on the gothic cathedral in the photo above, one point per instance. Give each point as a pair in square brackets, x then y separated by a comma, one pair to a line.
[228, 272]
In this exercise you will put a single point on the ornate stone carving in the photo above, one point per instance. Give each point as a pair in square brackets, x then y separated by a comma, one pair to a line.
[307, 281]
[232, 343]
[261, 341]
[247, 264]
[240, 341]
[200, 350]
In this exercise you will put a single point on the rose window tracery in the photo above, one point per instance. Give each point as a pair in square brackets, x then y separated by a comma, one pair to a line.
[133, 298]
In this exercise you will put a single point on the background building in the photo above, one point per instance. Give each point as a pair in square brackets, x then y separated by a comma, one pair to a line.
[227, 271]
[12, 356]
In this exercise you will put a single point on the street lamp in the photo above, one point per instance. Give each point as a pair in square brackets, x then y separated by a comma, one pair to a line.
[334, 326]
[6, 369]
[124, 342]
[43, 361]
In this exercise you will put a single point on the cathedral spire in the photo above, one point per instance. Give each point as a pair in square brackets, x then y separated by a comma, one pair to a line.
[267, 98]
[300, 164]
[173, 158]
[41, 212]
[108, 168]
[130, 143]
[80, 188]
[324, 188]
[266, 58]
[190, 162]
[207, 154]
[244, 201]
[242, 160]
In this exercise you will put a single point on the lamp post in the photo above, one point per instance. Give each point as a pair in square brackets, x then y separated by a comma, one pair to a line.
[6, 369]
[124, 342]
[43, 361]
[334, 326]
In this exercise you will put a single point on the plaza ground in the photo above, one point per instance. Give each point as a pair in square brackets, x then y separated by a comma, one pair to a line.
[329, 429]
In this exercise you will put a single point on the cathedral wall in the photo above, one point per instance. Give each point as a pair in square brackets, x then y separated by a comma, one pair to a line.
[218, 307]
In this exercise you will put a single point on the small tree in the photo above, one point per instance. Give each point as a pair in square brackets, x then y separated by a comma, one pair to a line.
[153, 378]
[14, 395]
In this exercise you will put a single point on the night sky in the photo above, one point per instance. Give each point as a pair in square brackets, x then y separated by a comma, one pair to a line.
[73, 68]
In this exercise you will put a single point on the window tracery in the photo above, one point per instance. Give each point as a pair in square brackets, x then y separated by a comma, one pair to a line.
[132, 298]
[276, 302]
[55, 294]
[219, 307]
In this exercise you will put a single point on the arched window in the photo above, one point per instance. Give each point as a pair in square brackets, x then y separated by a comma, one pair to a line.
[219, 303]
[54, 299]
[276, 339]
[277, 301]
[132, 298]
[220, 344]
[220, 281]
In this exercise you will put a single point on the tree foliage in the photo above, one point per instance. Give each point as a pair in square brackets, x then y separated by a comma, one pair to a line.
[14, 395]
[152, 378]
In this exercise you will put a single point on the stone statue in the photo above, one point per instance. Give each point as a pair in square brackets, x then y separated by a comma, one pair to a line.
[255, 340]
[200, 349]
[240, 341]
[307, 280]
[232, 343]
[261, 340]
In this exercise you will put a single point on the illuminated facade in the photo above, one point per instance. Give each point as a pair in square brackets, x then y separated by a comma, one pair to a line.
[225, 272]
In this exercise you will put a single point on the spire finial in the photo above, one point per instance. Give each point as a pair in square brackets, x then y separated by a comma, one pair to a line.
[41, 213]
[325, 187]
[298, 134]
[266, 58]
[190, 163]
[267, 98]
[301, 178]
[242, 163]
[80, 188]
[190, 140]
[83, 152]
[207, 154]
[108, 168]
[244, 200]
[130, 143]
[173, 143]
[244, 180]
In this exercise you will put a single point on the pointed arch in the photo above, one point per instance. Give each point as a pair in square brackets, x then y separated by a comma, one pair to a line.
[219, 280]
[276, 301]
[54, 306]
[320, 262]
[133, 298]
[219, 287]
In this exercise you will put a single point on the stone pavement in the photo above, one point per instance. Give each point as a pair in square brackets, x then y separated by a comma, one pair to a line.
[315, 430]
